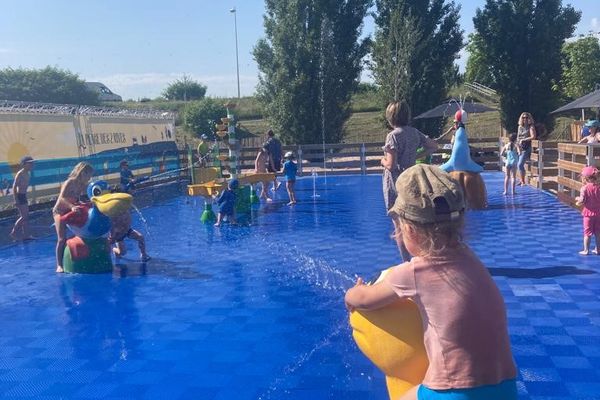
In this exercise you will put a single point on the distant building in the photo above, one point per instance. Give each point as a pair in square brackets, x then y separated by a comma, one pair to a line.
[104, 93]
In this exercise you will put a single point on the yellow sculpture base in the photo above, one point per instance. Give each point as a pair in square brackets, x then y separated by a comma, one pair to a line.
[473, 187]
[207, 189]
[392, 338]
[204, 174]
[250, 179]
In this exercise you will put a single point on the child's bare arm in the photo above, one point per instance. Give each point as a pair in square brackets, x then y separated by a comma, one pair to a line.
[579, 200]
[369, 297]
[17, 182]
[68, 190]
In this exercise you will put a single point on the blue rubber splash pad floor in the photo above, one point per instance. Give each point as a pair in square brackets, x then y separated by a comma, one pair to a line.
[256, 312]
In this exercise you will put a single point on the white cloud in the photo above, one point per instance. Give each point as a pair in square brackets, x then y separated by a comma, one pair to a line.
[595, 24]
[6, 50]
[151, 84]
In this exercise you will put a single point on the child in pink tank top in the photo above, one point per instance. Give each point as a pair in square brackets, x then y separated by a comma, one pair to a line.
[590, 200]
[463, 313]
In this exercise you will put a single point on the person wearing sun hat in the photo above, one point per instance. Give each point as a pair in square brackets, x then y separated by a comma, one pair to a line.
[463, 313]
[590, 132]
[589, 199]
[21, 228]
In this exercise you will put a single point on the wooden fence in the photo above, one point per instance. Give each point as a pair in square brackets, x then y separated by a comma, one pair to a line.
[364, 158]
[542, 168]
[571, 160]
[333, 159]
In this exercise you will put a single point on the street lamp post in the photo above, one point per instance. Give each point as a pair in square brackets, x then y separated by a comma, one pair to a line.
[237, 61]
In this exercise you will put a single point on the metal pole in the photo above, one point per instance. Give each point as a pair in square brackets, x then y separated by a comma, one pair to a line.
[237, 61]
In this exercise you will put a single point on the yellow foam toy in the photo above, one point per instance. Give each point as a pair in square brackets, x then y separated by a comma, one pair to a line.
[113, 204]
[207, 189]
[248, 179]
[392, 338]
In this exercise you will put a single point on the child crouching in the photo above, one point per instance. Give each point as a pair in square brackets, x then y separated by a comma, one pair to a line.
[121, 229]
[226, 203]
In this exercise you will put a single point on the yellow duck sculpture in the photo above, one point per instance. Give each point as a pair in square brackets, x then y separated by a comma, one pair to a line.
[392, 338]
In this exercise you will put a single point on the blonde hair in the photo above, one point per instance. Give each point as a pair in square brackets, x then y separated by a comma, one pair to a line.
[528, 115]
[80, 169]
[398, 114]
[436, 237]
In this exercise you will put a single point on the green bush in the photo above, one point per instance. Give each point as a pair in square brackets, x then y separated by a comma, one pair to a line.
[201, 116]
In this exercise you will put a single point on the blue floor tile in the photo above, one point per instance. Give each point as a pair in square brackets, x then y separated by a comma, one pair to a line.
[256, 311]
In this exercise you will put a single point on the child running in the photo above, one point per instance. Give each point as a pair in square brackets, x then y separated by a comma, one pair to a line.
[70, 191]
[590, 200]
[510, 152]
[463, 313]
[226, 203]
[289, 170]
[119, 230]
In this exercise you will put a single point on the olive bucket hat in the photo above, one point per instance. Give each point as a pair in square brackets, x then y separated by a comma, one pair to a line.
[427, 194]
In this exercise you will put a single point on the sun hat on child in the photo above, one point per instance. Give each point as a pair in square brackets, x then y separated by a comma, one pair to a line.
[588, 171]
[289, 154]
[592, 123]
[427, 194]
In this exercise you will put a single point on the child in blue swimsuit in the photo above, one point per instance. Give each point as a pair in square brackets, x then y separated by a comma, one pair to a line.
[289, 170]
[511, 152]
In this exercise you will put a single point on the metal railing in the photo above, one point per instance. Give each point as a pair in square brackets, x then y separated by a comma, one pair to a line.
[482, 89]
[11, 106]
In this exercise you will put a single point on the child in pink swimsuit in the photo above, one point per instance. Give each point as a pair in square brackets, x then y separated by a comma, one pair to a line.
[590, 200]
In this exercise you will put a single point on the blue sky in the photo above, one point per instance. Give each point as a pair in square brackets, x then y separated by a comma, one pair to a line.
[137, 47]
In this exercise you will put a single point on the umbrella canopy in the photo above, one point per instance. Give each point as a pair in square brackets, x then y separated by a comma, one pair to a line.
[450, 108]
[590, 100]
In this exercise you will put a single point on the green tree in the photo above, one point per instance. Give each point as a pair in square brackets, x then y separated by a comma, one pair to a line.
[309, 63]
[47, 85]
[581, 67]
[185, 89]
[478, 69]
[521, 41]
[201, 116]
[415, 45]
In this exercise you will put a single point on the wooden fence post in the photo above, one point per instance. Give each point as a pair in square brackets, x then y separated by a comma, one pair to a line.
[540, 165]
[561, 171]
[589, 158]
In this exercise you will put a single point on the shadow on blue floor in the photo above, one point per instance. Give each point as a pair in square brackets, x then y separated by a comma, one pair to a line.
[539, 273]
